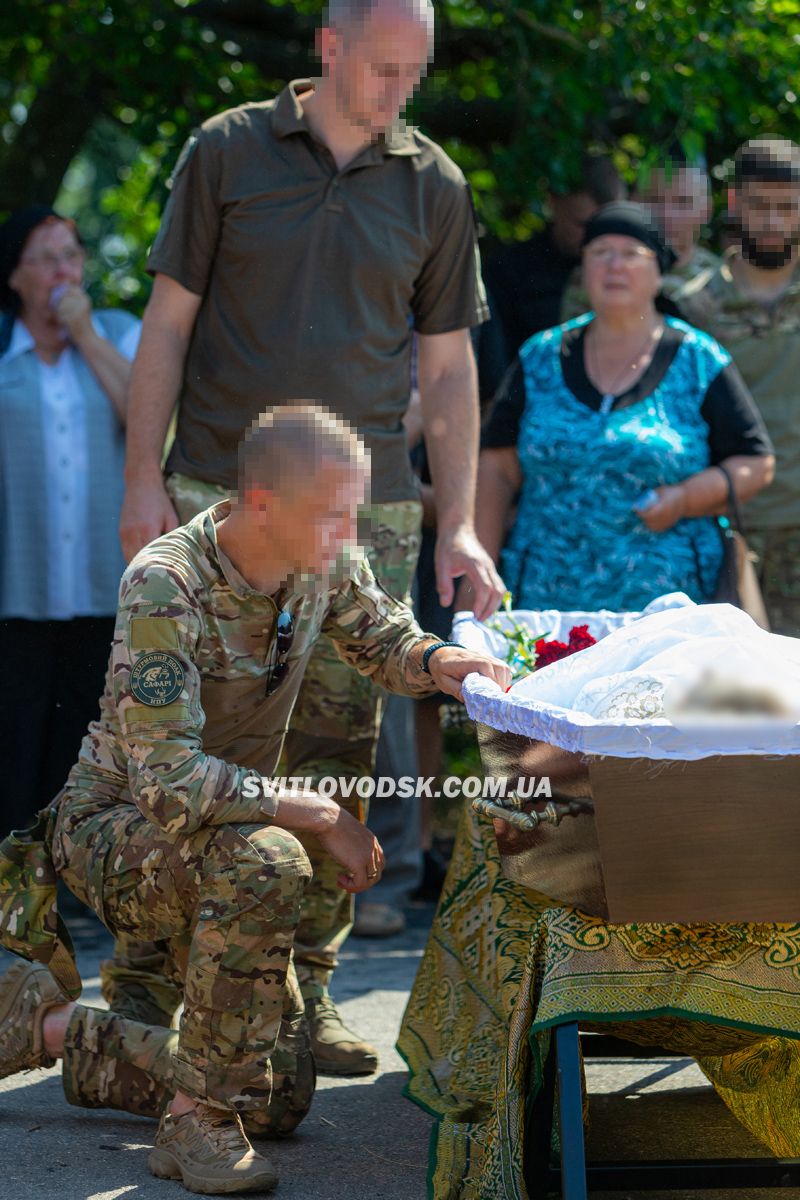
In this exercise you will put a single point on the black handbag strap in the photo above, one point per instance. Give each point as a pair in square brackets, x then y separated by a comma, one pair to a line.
[734, 508]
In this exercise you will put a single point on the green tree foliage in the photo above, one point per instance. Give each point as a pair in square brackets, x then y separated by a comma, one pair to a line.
[96, 96]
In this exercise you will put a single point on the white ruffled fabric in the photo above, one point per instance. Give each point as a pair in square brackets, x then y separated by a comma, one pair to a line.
[609, 699]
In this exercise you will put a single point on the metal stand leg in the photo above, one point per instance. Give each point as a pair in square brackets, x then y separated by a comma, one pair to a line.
[570, 1113]
[539, 1130]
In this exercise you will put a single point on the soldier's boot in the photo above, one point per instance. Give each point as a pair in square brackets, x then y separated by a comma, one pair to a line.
[208, 1151]
[337, 1050]
[27, 992]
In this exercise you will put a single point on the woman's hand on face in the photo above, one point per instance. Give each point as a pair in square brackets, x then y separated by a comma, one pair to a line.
[667, 510]
[74, 311]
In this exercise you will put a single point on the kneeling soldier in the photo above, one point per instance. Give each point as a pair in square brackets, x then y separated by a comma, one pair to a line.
[166, 829]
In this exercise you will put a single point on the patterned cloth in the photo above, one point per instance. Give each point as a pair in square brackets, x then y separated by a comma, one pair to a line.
[504, 964]
[583, 471]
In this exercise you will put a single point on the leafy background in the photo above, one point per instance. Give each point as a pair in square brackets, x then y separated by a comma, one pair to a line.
[97, 96]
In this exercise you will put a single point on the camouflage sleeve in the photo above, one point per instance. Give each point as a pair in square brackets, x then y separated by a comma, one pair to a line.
[375, 635]
[156, 688]
[574, 302]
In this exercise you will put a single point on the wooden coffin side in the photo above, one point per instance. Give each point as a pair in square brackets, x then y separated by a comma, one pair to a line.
[712, 840]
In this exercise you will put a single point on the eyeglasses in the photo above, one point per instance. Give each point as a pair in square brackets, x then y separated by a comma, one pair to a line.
[628, 256]
[51, 262]
[284, 638]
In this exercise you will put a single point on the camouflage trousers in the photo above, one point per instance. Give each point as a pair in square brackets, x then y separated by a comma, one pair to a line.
[334, 731]
[226, 901]
[112, 1062]
[778, 569]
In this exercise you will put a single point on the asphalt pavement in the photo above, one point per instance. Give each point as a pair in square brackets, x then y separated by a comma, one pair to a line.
[362, 1139]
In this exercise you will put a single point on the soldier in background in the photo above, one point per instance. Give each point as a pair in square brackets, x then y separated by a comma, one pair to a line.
[751, 304]
[167, 829]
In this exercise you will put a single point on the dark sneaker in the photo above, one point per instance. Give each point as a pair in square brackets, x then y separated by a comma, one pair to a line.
[208, 1151]
[27, 991]
[337, 1050]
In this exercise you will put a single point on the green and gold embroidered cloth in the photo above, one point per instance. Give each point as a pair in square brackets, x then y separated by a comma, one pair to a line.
[503, 965]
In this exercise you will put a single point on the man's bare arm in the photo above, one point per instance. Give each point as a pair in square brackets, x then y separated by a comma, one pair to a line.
[448, 387]
[155, 384]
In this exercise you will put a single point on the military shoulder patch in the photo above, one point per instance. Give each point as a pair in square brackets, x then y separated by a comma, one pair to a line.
[157, 679]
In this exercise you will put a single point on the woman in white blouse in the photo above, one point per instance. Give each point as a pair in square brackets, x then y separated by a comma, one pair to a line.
[64, 372]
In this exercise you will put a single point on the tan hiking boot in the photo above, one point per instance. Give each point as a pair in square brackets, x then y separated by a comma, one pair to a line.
[377, 920]
[27, 991]
[208, 1151]
[337, 1050]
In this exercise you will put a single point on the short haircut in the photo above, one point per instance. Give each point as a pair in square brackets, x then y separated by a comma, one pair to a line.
[343, 14]
[292, 442]
[767, 160]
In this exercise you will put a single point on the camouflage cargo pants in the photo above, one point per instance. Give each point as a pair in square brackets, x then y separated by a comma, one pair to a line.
[112, 1062]
[778, 569]
[333, 731]
[226, 901]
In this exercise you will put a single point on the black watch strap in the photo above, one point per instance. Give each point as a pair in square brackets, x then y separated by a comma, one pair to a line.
[432, 650]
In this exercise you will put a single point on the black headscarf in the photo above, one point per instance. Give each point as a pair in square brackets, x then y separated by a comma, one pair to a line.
[14, 233]
[627, 219]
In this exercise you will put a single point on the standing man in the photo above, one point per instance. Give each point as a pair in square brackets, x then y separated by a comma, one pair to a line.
[306, 239]
[751, 304]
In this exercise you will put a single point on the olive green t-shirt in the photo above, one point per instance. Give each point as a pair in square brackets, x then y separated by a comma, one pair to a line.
[313, 279]
[764, 342]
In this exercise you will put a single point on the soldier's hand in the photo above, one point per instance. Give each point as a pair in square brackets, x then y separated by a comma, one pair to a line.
[147, 512]
[357, 851]
[450, 666]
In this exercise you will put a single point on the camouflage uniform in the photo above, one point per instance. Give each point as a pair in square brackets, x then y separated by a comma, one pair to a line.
[333, 731]
[764, 342]
[156, 831]
[576, 302]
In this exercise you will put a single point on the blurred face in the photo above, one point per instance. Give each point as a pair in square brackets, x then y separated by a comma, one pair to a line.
[769, 218]
[680, 202]
[52, 257]
[619, 273]
[374, 69]
[312, 523]
[569, 217]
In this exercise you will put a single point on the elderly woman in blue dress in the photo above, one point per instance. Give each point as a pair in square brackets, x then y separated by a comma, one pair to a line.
[608, 436]
[64, 372]
[607, 439]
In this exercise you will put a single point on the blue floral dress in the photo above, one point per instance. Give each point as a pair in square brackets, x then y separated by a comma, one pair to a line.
[577, 542]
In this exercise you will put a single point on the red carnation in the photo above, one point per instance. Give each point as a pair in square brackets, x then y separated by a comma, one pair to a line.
[550, 652]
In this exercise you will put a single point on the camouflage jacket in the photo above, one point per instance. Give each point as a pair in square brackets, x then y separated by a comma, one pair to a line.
[575, 301]
[184, 718]
[764, 342]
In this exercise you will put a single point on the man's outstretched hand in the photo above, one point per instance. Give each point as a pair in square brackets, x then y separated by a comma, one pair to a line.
[450, 666]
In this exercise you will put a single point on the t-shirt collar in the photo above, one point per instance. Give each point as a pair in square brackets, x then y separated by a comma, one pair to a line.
[288, 117]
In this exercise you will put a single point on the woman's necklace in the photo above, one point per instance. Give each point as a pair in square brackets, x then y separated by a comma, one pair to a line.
[643, 356]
